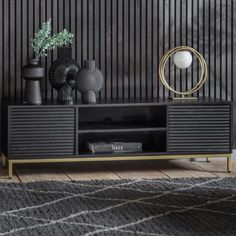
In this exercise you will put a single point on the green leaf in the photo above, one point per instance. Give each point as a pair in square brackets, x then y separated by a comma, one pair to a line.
[44, 42]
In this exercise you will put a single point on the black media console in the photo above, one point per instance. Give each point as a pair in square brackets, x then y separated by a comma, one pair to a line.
[55, 132]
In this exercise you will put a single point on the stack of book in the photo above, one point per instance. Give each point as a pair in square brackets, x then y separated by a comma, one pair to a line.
[114, 147]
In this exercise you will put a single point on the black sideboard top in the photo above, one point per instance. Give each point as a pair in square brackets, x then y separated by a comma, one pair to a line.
[119, 102]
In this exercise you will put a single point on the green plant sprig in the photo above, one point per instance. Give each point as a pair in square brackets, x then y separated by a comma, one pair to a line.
[43, 41]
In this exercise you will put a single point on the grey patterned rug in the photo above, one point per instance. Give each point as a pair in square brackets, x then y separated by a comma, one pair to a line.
[199, 206]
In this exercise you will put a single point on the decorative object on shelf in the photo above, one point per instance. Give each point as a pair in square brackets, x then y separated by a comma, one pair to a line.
[89, 81]
[62, 74]
[32, 72]
[183, 59]
[114, 147]
[42, 42]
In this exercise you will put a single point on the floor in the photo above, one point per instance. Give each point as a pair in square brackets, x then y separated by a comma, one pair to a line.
[118, 170]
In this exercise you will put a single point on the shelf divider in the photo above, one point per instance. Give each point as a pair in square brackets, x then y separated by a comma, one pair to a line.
[86, 131]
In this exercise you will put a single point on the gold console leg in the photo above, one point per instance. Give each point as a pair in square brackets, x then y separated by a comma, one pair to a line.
[3, 160]
[10, 166]
[229, 163]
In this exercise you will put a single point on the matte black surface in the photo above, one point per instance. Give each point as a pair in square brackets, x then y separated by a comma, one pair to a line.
[122, 102]
[41, 131]
[200, 128]
[62, 74]
[33, 72]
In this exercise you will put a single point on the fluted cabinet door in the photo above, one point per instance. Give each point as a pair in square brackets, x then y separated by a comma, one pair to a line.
[202, 128]
[41, 131]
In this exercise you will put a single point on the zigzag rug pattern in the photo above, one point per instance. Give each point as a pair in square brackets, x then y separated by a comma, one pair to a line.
[197, 206]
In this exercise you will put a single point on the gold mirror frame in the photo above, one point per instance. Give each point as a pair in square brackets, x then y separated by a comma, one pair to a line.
[203, 70]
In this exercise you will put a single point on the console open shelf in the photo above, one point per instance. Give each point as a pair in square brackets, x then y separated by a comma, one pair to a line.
[102, 127]
[152, 141]
[114, 118]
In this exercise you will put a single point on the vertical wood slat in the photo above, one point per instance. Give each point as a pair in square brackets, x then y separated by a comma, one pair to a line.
[131, 48]
[126, 38]
[149, 49]
[204, 30]
[108, 49]
[154, 47]
[12, 56]
[48, 58]
[233, 48]
[54, 7]
[160, 29]
[137, 51]
[119, 49]
[142, 49]
[125, 48]
[114, 52]
[1, 44]
[5, 55]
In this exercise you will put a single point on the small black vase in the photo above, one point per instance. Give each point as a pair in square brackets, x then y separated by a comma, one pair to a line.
[32, 73]
[62, 74]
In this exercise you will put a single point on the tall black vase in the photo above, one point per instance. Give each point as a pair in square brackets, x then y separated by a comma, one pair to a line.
[62, 74]
[33, 72]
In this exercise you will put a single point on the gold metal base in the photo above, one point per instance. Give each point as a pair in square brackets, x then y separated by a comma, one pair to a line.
[4, 161]
[229, 163]
[118, 158]
[184, 97]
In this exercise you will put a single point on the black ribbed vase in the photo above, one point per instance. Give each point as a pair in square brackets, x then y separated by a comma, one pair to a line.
[62, 74]
[89, 81]
[33, 72]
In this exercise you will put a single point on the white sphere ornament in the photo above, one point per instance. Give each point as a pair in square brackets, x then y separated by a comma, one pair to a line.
[183, 59]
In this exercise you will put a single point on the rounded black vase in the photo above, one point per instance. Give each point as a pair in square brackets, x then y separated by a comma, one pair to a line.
[62, 74]
[33, 72]
[89, 81]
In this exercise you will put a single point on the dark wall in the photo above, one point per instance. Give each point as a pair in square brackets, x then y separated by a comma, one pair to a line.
[127, 39]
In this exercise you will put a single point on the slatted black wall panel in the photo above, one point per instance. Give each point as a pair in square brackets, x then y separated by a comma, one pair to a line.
[127, 39]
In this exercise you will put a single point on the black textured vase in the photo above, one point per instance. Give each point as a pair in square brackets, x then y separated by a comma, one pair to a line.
[62, 74]
[89, 81]
[32, 73]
